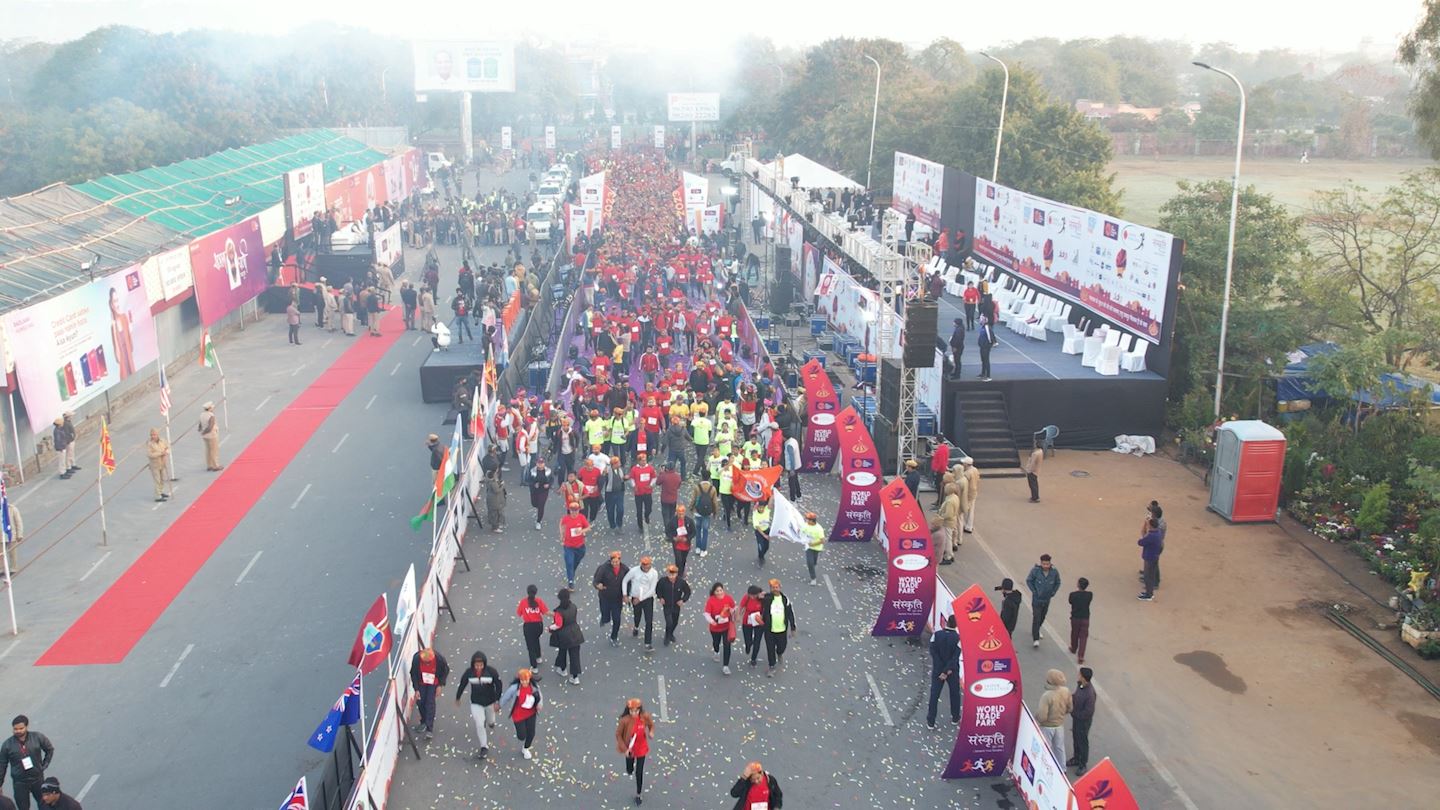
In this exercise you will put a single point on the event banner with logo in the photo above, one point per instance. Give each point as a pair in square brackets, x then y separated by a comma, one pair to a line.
[696, 189]
[166, 276]
[821, 406]
[1117, 268]
[1103, 787]
[919, 187]
[1038, 775]
[992, 706]
[851, 308]
[507, 138]
[659, 136]
[304, 197]
[72, 348]
[614, 137]
[549, 137]
[859, 480]
[910, 576]
[229, 269]
[357, 194]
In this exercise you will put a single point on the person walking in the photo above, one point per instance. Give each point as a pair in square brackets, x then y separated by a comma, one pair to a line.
[944, 670]
[642, 479]
[292, 320]
[1050, 713]
[1080, 599]
[757, 790]
[573, 528]
[1149, 544]
[957, 344]
[428, 672]
[157, 453]
[523, 701]
[791, 461]
[814, 544]
[613, 485]
[541, 480]
[483, 681]
[673, 592]
[372, 311]
[1032, 471]
[62, 437]
[752, 622]
[971, 494]
[566, 636]
[703, 508]
[760, 522]
[701, 428]
[532, 612]
[639, 589]
[632, 739]
[1082, 714]
[681, 533]
[210, 431]
[609, 582]
[669, 482]
[720, 616]
[1009, 605]
[1043, 582]
[779, 617]
[410, 300]
[495, 494]
[985, 338]
[25, 755]
[677, 444]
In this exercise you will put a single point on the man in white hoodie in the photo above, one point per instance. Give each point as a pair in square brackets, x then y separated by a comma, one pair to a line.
[1054, 707]
[638, 587]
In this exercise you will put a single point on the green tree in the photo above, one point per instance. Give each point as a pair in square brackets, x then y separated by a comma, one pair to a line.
[1420, 51]
[1147, 72]
[1084, 69]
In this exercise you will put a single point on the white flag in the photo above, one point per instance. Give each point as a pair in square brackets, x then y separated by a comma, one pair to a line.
[787, 522]
[405, 603]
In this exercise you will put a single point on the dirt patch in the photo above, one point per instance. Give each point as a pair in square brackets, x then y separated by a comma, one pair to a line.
[1212, 668]
[1424, 728]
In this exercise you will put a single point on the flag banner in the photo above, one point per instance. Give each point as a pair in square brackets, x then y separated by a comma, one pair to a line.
[164, 392]
[1038, 775]
[107, 453]
[787, 523]
[405, 603]
[549, 137]
[208, 357]
[297, 799]
[345, 712]
[1103, 787]
[821, 404]
[372, 644]
[506, 138]
[910, 578]
[444, 480]
[990, 714]
[859, 480]
[6, 529]
[754, 485]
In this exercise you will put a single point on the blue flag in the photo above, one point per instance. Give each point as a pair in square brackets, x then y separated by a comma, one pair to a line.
[345, 712]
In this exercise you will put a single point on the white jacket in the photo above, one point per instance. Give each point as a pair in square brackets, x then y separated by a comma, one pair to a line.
[639, 584]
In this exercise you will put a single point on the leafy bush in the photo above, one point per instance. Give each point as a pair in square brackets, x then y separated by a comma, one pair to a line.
[1429, 649]
[1374, 516]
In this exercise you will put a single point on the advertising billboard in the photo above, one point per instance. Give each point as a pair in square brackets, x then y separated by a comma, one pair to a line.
[304, 197]
[693, 106]
[229, 269]
[166, 275]
[472, 67]
[919, 187]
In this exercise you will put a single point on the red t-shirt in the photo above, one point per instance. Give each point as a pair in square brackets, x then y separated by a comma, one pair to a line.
[529, 614]
[639, 740]
[759, 795]
[971, 295]
[572, 529]
[719, 607]
[722, 326]
[521, 712]
[652, 417]
[644, 478]
[590, 477]
[664, 343]
[682, 535]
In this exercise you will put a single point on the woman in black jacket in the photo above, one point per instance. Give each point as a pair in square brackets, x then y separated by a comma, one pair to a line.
[485, 687]
[566, 636]
[757, 790]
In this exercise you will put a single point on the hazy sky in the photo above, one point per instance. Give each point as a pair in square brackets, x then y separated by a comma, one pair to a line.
[1248, 24]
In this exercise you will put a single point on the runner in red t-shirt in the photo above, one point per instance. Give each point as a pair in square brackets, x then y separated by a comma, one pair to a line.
[643, 477]
[573, 528]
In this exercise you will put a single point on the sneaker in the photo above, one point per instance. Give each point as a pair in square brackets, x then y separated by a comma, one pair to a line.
[537, 524]
[526, 752]
[725, 670]
[1036, 644]
[484, 752]
[1146, 597]
[930, 724]
[753, 662]
[635, 633]
[649, 648]
[704, 553]
[715, 658]
[575, 681]
[639, 800]
[769, 672]
[614, 642]
[814, 582]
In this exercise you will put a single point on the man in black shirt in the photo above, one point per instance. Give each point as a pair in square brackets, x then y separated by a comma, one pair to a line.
[1080, 618]
[25, 755]
[1082, 712]
[957, 345]
[944, 670]
[1010, 607]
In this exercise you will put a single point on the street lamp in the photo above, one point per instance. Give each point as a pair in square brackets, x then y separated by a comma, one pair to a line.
[1230, 247]
[874, 116]
[1000, 130]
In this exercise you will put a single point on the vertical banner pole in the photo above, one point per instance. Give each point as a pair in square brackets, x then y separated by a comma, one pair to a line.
[15, 430]
[5, 541]
[100, 491]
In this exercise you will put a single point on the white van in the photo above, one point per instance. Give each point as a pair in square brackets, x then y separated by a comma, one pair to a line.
[437, 161]
[559, 172]
[540, 221]
[551, 191]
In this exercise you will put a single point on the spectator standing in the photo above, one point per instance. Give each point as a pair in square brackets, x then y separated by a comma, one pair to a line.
[1149, 544]
[1082, 713]
[1054, 706]
[1044, 583]
[63, 439]
[210, 431]
[1009, 605]
[52, 796]
[944, 670]
[25, 755]
[957, 342]
[1080, 599]
[495, 494]
[1032, 471]
[972, 490]
[157, 453]
[292, 320]
[986, 340]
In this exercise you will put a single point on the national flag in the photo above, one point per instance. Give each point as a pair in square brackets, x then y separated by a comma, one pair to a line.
[107, 453]
[786, 522]
[345, 712]
[164, 393]
[208, 357]
[372, 644]
[297, 799]
[444, 480]
[6, 529]
[753, 485]
[405, 603]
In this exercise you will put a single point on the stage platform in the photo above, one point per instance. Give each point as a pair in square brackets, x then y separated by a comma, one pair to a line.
[441, 369]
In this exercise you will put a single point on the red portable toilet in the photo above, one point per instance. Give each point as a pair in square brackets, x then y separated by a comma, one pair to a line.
[1245, 478]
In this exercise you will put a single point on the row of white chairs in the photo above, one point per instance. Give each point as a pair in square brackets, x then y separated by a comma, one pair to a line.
[1105, 348]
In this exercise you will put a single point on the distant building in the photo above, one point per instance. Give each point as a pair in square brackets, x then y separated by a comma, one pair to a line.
[1099, 110]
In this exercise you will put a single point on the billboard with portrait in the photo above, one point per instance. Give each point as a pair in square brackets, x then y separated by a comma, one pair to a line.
[229, 269]
[919, 187]
[466, 66]
[304, 197]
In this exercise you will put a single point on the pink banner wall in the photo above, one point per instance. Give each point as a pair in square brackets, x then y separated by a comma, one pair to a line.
[990, 716]
[910, 575]
[229, 269]
[859, 480]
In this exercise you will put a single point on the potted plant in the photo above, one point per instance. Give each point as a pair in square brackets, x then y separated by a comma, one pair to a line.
[1422, 625]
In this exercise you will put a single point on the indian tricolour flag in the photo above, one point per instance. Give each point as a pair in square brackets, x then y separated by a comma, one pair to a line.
[444, 480]
[208, 358]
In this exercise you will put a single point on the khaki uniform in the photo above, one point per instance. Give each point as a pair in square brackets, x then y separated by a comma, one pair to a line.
[972, 477]
[210, 432]
[950, 523]
[158, 451]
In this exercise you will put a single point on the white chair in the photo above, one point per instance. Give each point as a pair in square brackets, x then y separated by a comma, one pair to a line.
[1109, 362]
[1059, 319]
[1075, 339]
[1034, 327]
[1134, 359]
[1093, 343]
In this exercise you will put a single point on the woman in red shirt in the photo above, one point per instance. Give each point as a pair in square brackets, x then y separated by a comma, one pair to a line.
[719, 614]
[752, 622]
[531, 611]
[523, 701]
[632, 738]
[756, 790]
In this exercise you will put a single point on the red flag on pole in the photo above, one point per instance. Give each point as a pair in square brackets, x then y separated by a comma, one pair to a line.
[107, 453]
[372, 645]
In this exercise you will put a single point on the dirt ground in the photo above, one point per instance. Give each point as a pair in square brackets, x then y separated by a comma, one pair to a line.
[1233, 676]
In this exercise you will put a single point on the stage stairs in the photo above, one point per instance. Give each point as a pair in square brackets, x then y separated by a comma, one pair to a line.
[985, 432]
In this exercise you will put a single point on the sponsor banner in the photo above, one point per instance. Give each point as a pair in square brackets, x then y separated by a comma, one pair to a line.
[910, 577]
[592, 192]
[821, 405]
[394, 170]
[1038, 775]
[272, 224]
[506, 138]
[614, 137]
[1116, 268]
[929, 383]
[696, 190]
[850, 308]
[991, 711]
[919, 186]
[659, 136]
[549, 137]
[166, 275]
[304, 197]
[707, 219]
[860, 480]
[72, 348]
[229, 269]
[579, 220]
[471, 67]
[388, 246]
[693, 106]
[1103, 787]
[809, 267]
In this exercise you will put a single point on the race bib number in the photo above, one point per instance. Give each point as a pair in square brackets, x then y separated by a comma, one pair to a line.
[529, 702]
[427, 678]
[644, 478]
[681, 532]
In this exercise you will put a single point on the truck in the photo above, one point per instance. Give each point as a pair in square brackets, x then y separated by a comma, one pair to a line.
[540, 221]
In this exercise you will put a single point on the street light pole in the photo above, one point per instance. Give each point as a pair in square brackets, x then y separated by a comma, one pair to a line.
[999, 130]
[874, 116]
[1230, 246]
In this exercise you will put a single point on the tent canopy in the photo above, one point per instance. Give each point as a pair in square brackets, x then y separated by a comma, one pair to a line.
[814, 175]
[1393, 389]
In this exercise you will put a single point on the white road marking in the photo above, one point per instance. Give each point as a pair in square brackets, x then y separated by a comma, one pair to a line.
[176, 668]
[32, 490]
[395, 369]
[263, 401]
[327, 342]
[371, 402]
[300, 497]
[1112, 707]
[340, 443]
[829, 586]
[417, 340]
[664, 709]
[97, 563]
[879, 701]
[298, 369]
[249, 565]
[9, 649]
[89, 784]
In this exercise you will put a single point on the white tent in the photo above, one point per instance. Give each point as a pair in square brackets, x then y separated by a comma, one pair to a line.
[813, 175]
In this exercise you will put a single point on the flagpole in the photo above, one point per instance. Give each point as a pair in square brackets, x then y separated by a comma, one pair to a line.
[15, 431]
[224, 397]
[363, 738]
[6, 538]
[100, 491]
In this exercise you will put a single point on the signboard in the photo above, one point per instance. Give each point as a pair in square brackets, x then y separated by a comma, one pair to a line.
[910, 574]
[659, 136]
[471, 67]
[860, 480]
[696, 190]
[166, 275]
[615, 137]
[592, 191]
[304, 197]
[850, 308]
[272, 224]
[919, 186]
[693, 106]
[822, 405]
[72, 348]
[990, 713]
[229, 269]
[388, 246]
[1103, 787]
[1116, 268]
[395, 185]
[549, 137]
[1038, 775]
[505, 138]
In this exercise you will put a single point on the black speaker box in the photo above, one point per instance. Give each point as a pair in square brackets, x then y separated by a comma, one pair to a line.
[921, 319]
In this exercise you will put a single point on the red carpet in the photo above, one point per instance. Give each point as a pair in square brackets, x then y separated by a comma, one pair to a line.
[111, 628]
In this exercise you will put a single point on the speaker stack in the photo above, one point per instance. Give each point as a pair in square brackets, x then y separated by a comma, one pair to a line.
[921, 335]
[782, 290]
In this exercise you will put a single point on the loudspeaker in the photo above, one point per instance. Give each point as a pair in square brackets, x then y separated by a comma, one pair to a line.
[782, 260]
[921, 333]
[782, 292]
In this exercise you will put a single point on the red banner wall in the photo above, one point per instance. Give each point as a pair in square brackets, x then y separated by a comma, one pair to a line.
[990, 715]
[910, 575]
[860, 480]
[1103, 787]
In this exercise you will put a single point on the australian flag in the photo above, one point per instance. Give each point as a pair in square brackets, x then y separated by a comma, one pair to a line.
[345, 712]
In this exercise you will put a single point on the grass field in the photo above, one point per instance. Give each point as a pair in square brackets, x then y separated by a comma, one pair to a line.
[1149, 182]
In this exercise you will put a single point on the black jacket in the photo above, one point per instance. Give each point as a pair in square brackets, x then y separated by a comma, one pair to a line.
[1083, 703]
[481, 694]
[38, 748]
[1010, 610]
[442, 670]
[569, 634]
[437, 455]
[766, 601]
[673, 527]
[672, 592]
[742, 788]
[605, 575]
[945, 652]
